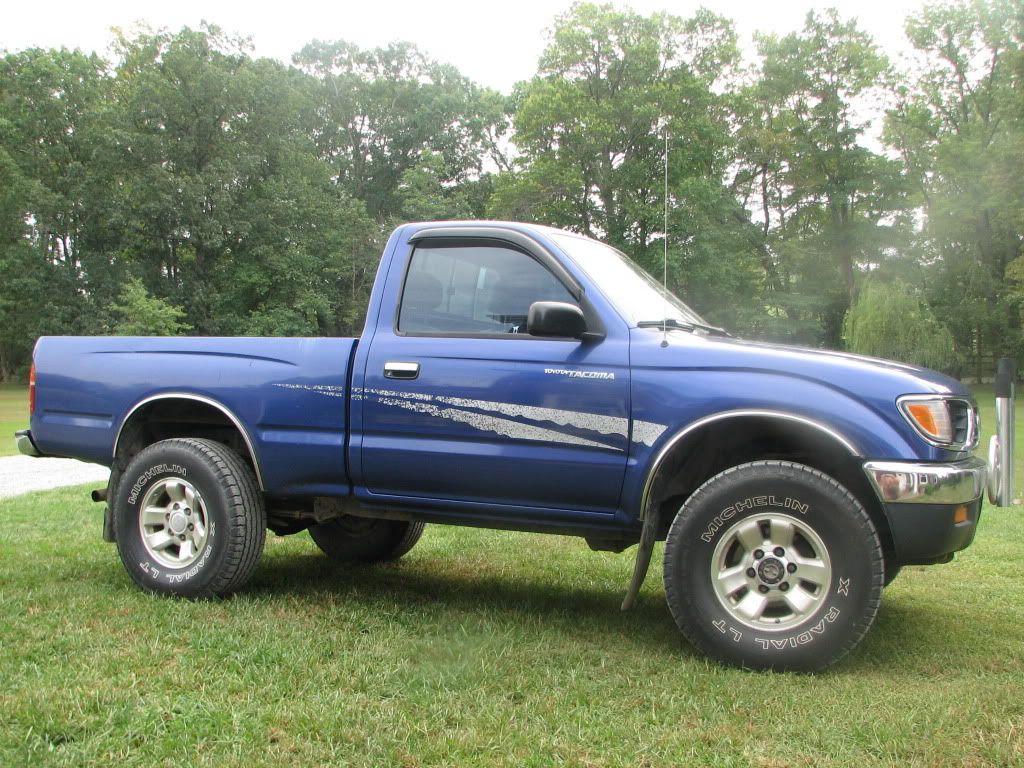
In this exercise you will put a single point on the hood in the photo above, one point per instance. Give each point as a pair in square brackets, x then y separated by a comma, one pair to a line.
[857, 374]
[940, 383]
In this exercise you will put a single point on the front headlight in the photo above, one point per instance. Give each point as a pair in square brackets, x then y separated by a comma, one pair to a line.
[949, 422]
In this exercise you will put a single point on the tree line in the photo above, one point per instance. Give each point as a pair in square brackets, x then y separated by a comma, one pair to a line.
[821, 194]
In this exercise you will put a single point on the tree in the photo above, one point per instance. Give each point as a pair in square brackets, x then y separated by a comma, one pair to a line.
[424, 195]
[52, 110]
[590, 127]
[958, 127]
[227, 210]
[828, 205]
[139, 314]
[379, 110]
[888, 320]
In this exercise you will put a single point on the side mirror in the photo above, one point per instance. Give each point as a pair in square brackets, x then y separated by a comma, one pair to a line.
[556, 318]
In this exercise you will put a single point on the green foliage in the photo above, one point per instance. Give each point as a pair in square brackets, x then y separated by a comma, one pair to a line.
[959, 127]
[424, 196]
[50, 108]
[139, 314]
[888, 320]
[590, 127]
[829, 206]
[379, 110]
[255, 197]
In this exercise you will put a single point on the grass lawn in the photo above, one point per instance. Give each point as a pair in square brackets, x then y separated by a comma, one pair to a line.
[479, 648]
[987, 405]
[13, 415]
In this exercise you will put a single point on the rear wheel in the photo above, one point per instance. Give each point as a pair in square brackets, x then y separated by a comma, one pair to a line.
[351, 539]
[189, 518]
[773, 565]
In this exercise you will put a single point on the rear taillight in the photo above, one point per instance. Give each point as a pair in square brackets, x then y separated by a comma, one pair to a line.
[32, 390]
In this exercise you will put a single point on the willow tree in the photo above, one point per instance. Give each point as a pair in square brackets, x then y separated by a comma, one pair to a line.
[889, 320]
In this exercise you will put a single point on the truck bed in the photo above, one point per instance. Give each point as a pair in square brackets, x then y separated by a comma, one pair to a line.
[289, 393]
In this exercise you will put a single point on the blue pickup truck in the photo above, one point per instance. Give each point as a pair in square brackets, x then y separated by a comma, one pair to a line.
[521, 377]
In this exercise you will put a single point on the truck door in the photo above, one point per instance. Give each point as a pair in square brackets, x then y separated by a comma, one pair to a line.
[460, 404]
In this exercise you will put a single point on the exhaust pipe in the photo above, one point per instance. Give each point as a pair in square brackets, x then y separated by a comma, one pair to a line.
[1001, 445]
[100, 494]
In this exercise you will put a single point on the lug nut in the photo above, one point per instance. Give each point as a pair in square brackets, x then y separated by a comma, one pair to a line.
[188, 511]
[181, 536]
[784, 586]
[751, 572]
[191, 527]
[762, 589]
[791, 567]
[758, 554]
[779, 551]
[177, 506]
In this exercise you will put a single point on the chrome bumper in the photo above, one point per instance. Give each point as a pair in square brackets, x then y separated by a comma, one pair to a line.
[23, 439]
[900, 482]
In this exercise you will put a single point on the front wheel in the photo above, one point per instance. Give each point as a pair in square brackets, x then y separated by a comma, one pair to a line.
[189, 518]
[773, 565]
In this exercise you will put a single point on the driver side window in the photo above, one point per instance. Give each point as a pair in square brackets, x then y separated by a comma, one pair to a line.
[473, 290]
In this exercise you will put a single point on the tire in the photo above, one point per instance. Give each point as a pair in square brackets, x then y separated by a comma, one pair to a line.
[737, 524]
[201, 493]
[365, 540]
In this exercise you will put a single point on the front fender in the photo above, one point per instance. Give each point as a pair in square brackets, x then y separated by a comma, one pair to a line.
[681, 401]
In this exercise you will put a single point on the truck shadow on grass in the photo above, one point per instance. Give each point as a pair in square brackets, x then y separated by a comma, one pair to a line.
[902, 641]
[428, 588]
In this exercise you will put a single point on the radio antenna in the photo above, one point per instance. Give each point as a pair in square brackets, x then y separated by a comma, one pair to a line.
[664, 261]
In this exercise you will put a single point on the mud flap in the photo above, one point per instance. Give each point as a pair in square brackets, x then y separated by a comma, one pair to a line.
[108, 524]
[648, 537]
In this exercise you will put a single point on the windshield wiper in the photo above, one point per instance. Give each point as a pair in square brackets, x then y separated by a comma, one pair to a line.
[673, 324]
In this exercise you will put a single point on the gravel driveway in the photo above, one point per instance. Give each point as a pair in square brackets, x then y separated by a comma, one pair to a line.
[21, 474]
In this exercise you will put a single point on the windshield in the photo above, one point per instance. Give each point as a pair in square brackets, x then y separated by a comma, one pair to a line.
[637, 295]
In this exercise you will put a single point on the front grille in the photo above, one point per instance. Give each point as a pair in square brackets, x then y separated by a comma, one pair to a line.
[964, 416]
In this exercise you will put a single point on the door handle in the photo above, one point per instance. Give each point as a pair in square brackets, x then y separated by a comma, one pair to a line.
[396, 370]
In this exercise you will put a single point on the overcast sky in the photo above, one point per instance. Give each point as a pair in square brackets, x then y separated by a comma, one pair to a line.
[493, 43]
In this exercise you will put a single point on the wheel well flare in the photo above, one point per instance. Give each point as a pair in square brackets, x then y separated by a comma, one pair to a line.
[706, 448]
[182, 415]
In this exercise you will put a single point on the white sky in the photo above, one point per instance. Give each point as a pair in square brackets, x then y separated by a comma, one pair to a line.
[494, 43]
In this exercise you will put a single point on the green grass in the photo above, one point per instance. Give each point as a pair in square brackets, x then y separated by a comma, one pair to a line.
[479, 648]
[13, 415]
[987, 405]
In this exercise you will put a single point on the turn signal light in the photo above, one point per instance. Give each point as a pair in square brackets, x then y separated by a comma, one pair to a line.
[932, 418]
[960, 514]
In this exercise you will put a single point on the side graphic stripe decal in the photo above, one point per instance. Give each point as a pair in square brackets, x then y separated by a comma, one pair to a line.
[496, 424]
[465, 411]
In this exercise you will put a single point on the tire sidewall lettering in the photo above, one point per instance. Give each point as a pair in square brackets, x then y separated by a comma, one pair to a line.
[723, 503]
[726, 516]
[135, 555]
[157, 470]
[825, 618]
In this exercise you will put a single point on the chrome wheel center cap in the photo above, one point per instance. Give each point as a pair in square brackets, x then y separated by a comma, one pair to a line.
[771, 571]
[177, 523]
